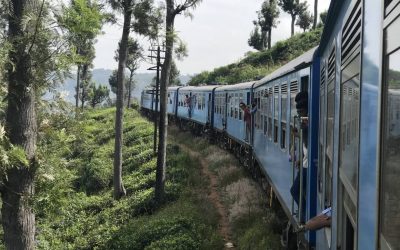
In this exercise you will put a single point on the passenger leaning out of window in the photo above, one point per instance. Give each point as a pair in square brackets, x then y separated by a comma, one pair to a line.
[247, 119]
[301, 100]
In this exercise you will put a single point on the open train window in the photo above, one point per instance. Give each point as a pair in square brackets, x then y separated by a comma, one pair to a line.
[390, 158]
[276, 112]
[294, 89]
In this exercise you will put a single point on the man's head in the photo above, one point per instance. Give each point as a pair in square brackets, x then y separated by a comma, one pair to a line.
[301, 100]
[242, 105]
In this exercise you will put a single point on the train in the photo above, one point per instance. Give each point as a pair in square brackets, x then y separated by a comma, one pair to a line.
[353, 83]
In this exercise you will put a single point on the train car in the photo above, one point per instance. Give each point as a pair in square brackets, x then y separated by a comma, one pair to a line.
[274, 143]
[229, 117]
[147, 100]
[358, 145]
[196, 103]
[172, 100]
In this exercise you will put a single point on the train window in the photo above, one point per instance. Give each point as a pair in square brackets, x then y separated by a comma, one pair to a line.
[284, 92]
[350, 106]
[330, 114]
[270, 110]
[390, 163]
[294, 89]
[276, 112]
[322, 131]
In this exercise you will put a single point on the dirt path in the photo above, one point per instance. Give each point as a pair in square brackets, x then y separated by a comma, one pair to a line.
[224, 226]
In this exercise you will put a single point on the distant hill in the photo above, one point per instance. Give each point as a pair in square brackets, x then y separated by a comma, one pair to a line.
[100, 76]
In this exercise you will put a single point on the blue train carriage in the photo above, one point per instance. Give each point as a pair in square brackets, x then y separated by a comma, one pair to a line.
[172, 102]
[273, 141]
[195, 105]
[359, 158]
[147, 100]
[230, 117]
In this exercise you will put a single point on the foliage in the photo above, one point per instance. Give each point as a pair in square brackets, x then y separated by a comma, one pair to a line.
[294, 8]
[305, 20]
[112, 81]
[74, 206]
[267, 19]
[98, 94]
[83, 21]
[256, 40]
[258, 64]
[323, 16]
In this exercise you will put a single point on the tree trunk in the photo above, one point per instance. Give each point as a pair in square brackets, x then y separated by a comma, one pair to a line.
[17, 189]
[292, 27]
[119, 189]
[84, 84]
[269, 38]
[77, 87]
[165, 72]
[315, 14]
[130, 89]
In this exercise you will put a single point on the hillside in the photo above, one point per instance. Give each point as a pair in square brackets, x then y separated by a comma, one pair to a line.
[73, 201]
[100, 76]
[258, 64]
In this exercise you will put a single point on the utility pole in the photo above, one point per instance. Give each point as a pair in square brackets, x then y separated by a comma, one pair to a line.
[158, 69]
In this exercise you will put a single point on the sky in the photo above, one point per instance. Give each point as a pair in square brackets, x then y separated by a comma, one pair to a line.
[216, 35]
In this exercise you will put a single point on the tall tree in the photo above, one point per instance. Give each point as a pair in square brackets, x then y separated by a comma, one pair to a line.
[83, 20]
[267, 18]
[144, 23]
[305, 20]
[315, 14]
[323, 16]
[260, 37]
[174, 8]
[134, 55]
[36, 55]
[294, 8]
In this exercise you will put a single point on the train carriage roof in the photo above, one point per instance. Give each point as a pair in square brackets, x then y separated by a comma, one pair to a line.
[237, 86]
[297, 63]
[206, 88]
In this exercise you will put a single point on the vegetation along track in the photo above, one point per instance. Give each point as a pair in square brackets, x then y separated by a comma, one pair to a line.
[245, 220]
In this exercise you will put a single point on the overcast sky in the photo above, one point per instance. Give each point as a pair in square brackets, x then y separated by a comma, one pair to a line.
[216, 36]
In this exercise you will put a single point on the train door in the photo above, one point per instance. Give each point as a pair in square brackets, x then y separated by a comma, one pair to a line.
[390, 138]
[349, 115]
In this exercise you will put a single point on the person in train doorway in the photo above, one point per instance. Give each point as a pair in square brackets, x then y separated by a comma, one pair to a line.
[301, 100]
[188, 103]
[247, 119]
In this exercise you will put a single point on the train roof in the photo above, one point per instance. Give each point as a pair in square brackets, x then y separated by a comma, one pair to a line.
[300, 62]
[174, 87]
[206, 88]
[237, 86]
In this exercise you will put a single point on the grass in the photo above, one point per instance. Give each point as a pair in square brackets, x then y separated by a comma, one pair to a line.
[74, 205]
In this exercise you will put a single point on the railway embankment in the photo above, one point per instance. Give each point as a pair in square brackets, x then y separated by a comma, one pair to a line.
[245, 219]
